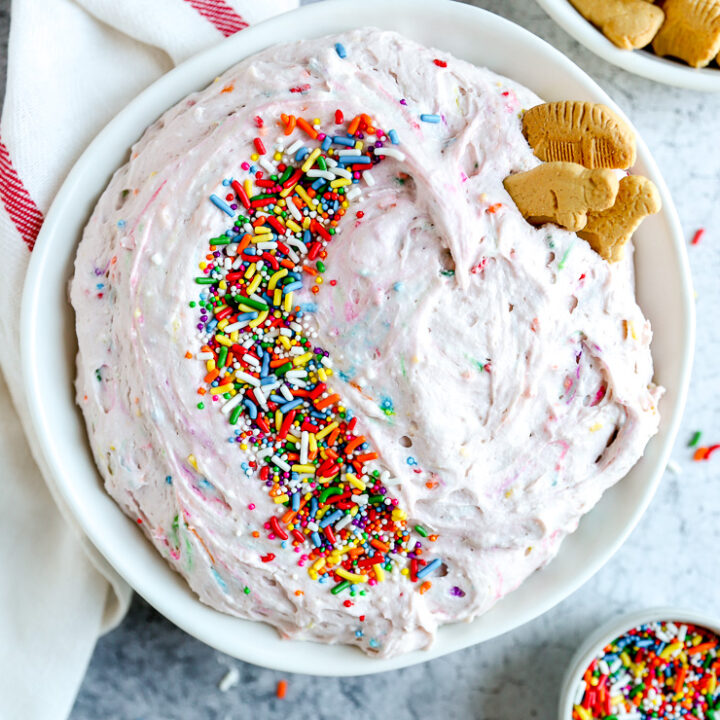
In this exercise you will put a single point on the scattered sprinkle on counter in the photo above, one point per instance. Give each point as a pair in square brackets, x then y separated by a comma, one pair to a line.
[658, 670]
[281, 689]
[698, 236]
[262, 370]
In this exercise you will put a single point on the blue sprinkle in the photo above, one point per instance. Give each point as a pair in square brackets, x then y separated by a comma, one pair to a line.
[121, 223]
[313, 506]
[220, 581]
[374, 643]
[250, 405]
[326, 143]
[430, 118]
[354, 160]
[340, 140]
[397, 287]
[226, 182]
[301, 153]
[168, 480]
[265, 369]
[296, 501]
[392, 134]
[340, 50]
[246, 316]
[309, 307]
[218, 202]
[292, 287]
[276, 398]
[318, 183]
[288, 406]
[430, 567]
[315, 537]
[333, 518]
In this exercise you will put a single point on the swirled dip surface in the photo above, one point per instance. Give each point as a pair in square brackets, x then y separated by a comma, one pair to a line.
[502, 372]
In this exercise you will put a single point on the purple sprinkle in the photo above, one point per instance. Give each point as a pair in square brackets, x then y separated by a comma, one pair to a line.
[403, 101]
[457, 592]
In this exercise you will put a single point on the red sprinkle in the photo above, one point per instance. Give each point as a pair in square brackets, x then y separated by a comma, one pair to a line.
[339, 117]
[258, 121]
[268, 558]
[259, 146]
[698, 236]
[440, 63]
[281, 689]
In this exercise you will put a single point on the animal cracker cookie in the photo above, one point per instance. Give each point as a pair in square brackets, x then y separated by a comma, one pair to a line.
[629, 24]
[608, 231]
[587, 133]
[691, 31]
[562, 193]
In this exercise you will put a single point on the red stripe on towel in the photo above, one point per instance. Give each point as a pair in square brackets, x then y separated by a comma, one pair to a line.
[220, 14]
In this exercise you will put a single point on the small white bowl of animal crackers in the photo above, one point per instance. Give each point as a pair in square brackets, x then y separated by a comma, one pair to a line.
[676, 42]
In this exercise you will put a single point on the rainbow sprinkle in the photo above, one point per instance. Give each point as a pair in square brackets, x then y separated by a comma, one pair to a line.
[657, 670]
[271, 379]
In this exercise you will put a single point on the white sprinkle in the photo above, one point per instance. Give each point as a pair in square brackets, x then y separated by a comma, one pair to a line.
[292, 207]
[295, 147]
[245, 377]
[320, 174]
[361, 499]
[349, 151]
[258, 393]
[280, 463]
[355, 192]
[264, 162]
[206, 356]
[157, 258]
[266, 245]
[342, 172]
[238, 262]
[231, 679]
[233, 327]
[390, 152]
[343, 522]
[285, 392]
[674, 467]
[231, 403]
[369, 179]
[248, 228]
[251, 360]
[303, 447]
[299, 244]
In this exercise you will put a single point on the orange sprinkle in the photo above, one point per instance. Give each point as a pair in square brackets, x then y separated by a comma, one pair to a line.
[281, 689]
[201, 391]
[188, 355]
[326, 402]
[255, 534]
[425, 587]
[309, 270]
[315, 288]
[494, 208]
[432, 538]
[299, 593]
[227, 89]
[701, 453]
[367, 457]
[354, 125]
[307, 127]
[211, 376]
[290, 125]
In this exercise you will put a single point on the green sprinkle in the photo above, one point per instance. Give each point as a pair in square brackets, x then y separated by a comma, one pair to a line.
[235, 414]
[204, 281]
[246, 590]
[447, 273]
[695, 439]
[262, 196]
[286, 175]
[320, 265]
[321, 163]
[420, 530]
[375, 499]
[278, 371]
[220, 240]
[222, 355]
[201, 405]
[561, 264]
[252, 303]
[192, 303]
[340, 587]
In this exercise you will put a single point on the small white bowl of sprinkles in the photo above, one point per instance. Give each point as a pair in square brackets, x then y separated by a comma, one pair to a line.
[658, 663]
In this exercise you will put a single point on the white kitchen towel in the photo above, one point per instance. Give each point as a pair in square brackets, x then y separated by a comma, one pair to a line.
[72, 65]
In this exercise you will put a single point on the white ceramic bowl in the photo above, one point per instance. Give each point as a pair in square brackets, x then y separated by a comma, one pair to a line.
[613, 629]
[49, 343]
[639, 62]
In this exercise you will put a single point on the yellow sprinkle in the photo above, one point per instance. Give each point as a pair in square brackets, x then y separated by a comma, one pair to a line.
[404, 571]
[234, 336]
[582, 712]
[222, 285]
[399, 514]
[263, 230]
[191, 459]
[250, 271]
[222, 389]
[311, 158]
[277, 297]
[302, 359]
[210, 365]
[259, 319]
[253, 286]
[352, 577]
[313, 575]
[278, 420]
[355, 482]
[254, 157]
[277, 157]
[340, 182]
[306, 222]
[321, 512]
[301, 192]
[319, 564]
[312, 442]
[626, 658]
[326, 430]
[276, 277]
[281, 499]
[294, 226]
[596, 427]
[223, 340]
[248, 187]
[285, 342]
[322, 376]
[287, 305]
[379, 573]
[223, 323]
[202, 265]
[669, 650]
[310, 469]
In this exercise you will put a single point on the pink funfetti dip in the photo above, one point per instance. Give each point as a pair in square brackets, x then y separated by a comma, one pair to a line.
[501, 372]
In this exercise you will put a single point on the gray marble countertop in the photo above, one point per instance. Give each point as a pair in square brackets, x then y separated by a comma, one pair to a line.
[149, 669]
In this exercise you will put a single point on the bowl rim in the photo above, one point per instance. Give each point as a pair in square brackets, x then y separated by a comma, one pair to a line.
[615, 627]
[638, 62]
[211, 626]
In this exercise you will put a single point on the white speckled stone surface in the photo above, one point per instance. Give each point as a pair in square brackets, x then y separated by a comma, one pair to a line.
[149, 669]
